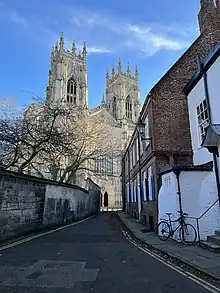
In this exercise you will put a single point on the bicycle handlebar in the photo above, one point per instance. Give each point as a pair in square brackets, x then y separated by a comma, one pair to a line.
[184, 214]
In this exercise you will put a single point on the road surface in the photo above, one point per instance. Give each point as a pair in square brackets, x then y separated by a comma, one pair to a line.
[92, 256]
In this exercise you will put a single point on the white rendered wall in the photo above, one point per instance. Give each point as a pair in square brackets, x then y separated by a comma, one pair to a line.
[198, 193]
[219, 159]
[214, 90]
[201, 155]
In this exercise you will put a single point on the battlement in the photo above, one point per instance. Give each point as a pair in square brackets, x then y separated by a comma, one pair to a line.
[113, 78]
[59, 50]
[126, 74]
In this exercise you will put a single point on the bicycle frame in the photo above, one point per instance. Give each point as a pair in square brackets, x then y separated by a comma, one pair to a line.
[181, 222]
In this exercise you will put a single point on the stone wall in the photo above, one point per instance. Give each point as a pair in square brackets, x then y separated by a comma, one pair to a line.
[29, 203]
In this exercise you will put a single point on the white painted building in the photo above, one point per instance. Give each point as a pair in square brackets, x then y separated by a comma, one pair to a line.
[199, 186]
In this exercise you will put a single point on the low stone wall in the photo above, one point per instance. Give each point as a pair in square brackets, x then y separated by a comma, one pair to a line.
[29, 203]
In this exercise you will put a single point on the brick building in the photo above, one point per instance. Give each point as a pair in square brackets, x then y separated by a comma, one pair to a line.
[167, 141]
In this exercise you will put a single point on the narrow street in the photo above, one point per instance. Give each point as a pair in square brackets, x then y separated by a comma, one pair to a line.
[93, 256]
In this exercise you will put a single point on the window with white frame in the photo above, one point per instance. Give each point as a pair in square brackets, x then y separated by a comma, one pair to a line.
[130, 159]
[134, 161]
[151, 185]
[141, 147]
[167, 181]
[137, 155]
[146, 121]
[126, 165]
[128, 196]
[134, 191]
[138, 187]
[144, 185]
[132, 195]
[203, 119]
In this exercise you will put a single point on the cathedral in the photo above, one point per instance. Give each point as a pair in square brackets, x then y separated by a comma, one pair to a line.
[121, 104]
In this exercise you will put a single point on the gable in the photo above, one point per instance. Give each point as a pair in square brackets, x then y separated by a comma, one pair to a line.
[104, 113]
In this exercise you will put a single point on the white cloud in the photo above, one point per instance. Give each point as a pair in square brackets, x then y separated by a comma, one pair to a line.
[99, 50]
[148, 39]
[151, 42]
[104, 33]
[89, 49]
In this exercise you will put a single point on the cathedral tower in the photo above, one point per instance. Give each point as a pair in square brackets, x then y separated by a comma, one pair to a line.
[123, 94]
[68, 77]
[209, 15]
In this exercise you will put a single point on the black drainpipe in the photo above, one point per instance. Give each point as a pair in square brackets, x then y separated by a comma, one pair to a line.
[210, 121]
[177, 173]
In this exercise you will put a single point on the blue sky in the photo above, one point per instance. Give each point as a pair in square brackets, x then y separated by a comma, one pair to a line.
[150, 33]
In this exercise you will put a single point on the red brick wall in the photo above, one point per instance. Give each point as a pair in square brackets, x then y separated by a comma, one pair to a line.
[170, 111]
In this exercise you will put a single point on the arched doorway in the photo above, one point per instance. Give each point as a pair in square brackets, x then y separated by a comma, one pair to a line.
[105, 199]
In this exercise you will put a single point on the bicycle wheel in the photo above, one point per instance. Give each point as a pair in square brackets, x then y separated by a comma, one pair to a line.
[187, 234]
[163, 230]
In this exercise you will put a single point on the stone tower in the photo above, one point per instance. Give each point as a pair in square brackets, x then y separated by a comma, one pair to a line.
[209, 15]
[123, 94]
[68, 77]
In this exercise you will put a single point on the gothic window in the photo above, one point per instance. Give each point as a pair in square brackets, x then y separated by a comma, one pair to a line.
[104, 165]
[114, 108]
[71, 91]
[105, 199]
[128, 108]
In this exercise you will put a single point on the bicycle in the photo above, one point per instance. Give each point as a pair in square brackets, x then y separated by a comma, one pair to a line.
[187, 233]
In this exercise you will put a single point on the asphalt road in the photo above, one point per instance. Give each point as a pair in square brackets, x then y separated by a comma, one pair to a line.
[93, 256]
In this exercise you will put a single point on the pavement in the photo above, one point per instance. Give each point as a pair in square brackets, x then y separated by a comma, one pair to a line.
[92, 256]
[193, 255]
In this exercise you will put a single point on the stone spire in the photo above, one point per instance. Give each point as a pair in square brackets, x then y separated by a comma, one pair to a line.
[119, 66]
[113, 71]
[61, 41]
[84, 51]
[52, 56]
[56, 47]
[129, 71]
[103, 99]
[136, 72]
[74, 48]
[52, 52]
[107, 76]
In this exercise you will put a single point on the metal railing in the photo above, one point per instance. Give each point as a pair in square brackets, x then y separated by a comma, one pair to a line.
[198, 218]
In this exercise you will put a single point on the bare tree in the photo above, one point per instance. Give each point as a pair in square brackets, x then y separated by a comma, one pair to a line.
[54, 142]
[23, 134]
[80, 139]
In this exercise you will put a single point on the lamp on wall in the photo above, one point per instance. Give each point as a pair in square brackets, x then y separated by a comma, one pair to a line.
[141, 129]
